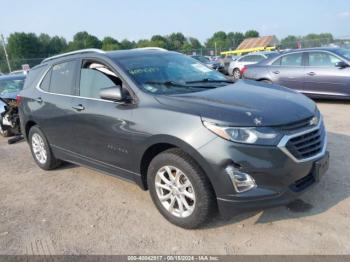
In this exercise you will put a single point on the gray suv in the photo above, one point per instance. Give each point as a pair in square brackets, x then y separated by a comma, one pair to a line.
[171, 125]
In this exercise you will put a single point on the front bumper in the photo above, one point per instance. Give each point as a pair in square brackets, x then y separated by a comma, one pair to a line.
[259, 198]
[279, 178]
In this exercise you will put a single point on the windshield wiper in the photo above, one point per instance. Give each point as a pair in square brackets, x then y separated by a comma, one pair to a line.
[166, 83]
[176, 84]
[208, 80]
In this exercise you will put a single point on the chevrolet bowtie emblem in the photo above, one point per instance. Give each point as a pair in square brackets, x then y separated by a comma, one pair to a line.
[314, 121]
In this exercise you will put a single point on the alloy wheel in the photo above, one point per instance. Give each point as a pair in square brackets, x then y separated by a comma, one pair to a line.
[39, 150]
[175, 191]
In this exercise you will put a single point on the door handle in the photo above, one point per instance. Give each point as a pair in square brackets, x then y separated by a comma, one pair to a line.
[276, 72]
[311, 73]
[39, 100]
[79, 107]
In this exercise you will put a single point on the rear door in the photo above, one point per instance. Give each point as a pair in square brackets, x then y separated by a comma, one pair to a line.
[52, 104]
[289, 71]
[323, 78]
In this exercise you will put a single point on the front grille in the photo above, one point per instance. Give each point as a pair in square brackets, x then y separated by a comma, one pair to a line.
[307, 145]
[296, 125]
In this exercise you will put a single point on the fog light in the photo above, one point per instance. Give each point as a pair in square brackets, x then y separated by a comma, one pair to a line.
[242, 182]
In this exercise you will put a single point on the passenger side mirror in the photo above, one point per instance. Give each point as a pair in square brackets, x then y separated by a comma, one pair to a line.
[341, 64]
[113, 93]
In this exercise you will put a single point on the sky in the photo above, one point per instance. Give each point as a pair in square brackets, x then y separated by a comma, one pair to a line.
[141, 19]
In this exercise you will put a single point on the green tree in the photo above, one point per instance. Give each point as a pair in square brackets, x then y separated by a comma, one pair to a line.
[234, 39]
[57, 45]
[82, 40]
[109, 43]
[126, 44]
[219, 39]
[251, 33]
[24, 48]
[289, 42]
[176, 41]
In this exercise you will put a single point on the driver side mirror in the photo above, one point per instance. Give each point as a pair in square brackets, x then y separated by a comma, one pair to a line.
[341, 64]
[113, 93]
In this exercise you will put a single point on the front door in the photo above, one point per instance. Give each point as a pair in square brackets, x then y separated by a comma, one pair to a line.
[101, 128]
[323, 78]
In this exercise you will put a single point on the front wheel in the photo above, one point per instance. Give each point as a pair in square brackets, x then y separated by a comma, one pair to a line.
[41, 150]
[236, 74]
[180, 190]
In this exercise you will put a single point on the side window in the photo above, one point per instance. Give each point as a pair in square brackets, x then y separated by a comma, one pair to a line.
[95, 76]
[45, 84]
[277, 62]
[34, 76]
[62, 78]
[292, 59]
[245, 59]
[322, 59]
[256, 58]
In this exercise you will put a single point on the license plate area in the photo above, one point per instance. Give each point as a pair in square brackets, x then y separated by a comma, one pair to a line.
[321, 166]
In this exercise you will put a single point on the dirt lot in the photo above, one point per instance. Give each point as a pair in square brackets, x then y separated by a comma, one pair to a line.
[74, 210]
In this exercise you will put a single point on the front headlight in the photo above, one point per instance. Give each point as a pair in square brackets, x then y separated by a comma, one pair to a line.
[246, 135]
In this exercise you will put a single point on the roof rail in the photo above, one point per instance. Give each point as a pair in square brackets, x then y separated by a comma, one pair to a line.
[82, 51]
[150, 48]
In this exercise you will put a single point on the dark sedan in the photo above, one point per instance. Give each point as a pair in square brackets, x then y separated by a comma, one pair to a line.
[317, 72]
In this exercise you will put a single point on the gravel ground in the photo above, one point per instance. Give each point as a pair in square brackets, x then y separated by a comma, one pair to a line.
[74, 210]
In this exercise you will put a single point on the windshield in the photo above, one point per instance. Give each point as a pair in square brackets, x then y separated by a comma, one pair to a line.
[343, 52]
[10, 86]
[166, 73]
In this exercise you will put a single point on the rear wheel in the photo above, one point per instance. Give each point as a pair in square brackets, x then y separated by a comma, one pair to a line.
[180, 190]
[236, 74]
[41, 150]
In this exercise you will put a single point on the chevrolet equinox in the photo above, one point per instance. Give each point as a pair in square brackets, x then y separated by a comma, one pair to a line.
[196, 140]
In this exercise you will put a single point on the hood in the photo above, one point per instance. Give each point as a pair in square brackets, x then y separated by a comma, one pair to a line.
[245, 103]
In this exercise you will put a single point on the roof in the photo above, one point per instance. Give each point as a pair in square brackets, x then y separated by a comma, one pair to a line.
[255, 42]
[136, 51]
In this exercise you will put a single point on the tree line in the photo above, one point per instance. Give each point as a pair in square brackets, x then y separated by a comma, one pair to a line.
[29, 48]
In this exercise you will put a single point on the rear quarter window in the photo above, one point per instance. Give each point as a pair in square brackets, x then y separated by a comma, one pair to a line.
[34, 76]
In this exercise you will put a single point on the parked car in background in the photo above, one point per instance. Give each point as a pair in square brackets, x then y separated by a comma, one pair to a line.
[166, 122]
[225, 63]
[10, 86]
[316, 72]
[209, 63]
[18, 72]
[237, 67]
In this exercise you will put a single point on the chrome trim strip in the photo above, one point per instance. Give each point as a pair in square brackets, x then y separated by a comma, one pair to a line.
[88, 50]
[322, 93]
[282, 144]
[72, 96]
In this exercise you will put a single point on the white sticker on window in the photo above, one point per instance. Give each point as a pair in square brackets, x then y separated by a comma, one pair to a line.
[201, 68]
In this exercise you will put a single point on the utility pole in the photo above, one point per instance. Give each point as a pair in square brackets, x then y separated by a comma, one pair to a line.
[216, 52]
[6, 55]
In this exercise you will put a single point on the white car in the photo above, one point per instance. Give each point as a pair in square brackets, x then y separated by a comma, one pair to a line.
[237, 66]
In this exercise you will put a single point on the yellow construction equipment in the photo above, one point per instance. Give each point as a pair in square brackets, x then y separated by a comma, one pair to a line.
[249, 50]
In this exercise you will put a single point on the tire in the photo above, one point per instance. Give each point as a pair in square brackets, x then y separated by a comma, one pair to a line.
[49, 162]
[201, 205]
[236, 73]
[5, 132]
